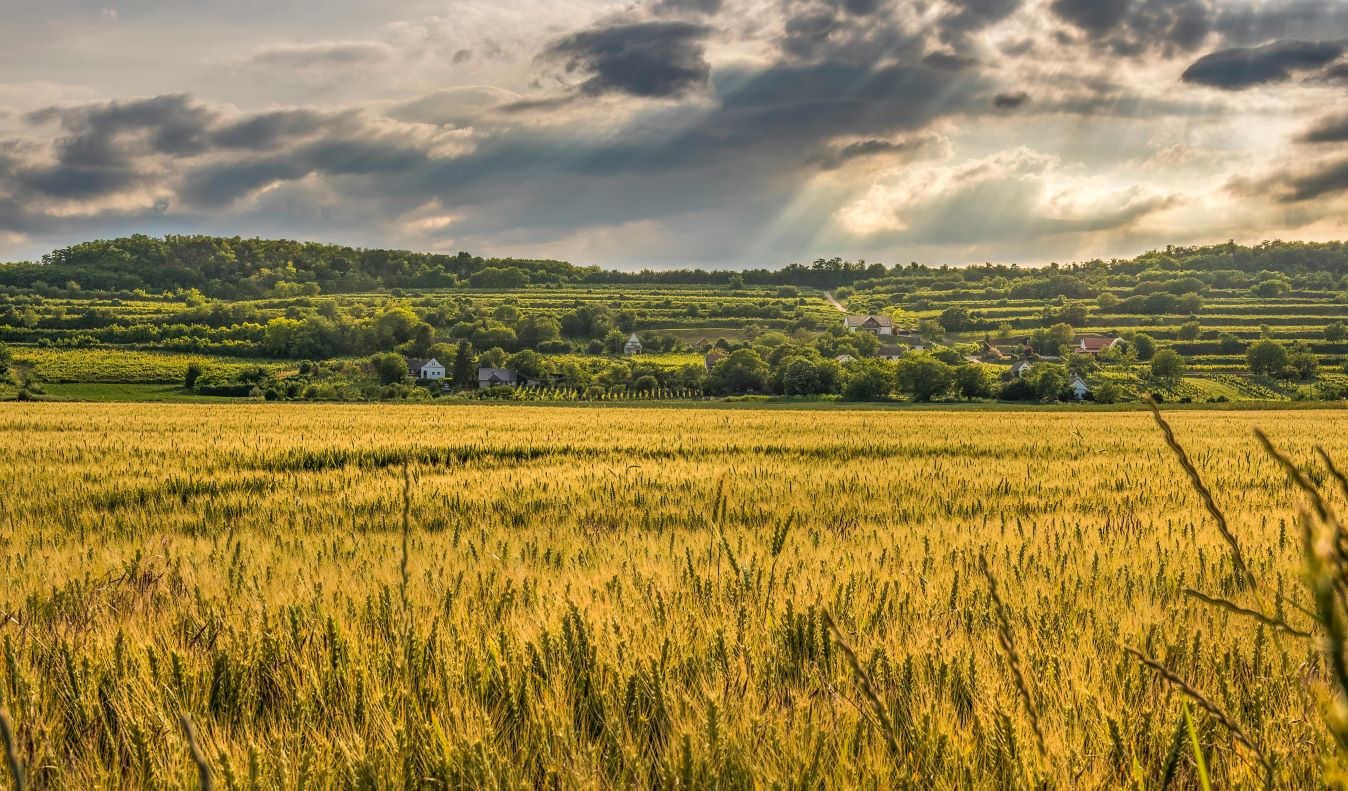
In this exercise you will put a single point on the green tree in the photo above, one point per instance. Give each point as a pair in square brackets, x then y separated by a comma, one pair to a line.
[537, 328]
[1167, 365]
[1108, 392]
[397, 325]
[389, 368]
[1049, 381]
[528, 364]
[1144, 344]
[1189, 331]
[1302, 362]
[1266, 357]
[498, 277]
[742, 371]
[494, 357]
[191, 375]
[1189, 303]
[868, 379]
[923, 377]
[1051, 340]
[1336, 332]
[494, 333]
[954, 319]
[974, 381]
[464, 371]
[806, 376]
[1229, 344]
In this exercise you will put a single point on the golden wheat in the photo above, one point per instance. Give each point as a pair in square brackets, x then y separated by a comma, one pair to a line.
[604, 597]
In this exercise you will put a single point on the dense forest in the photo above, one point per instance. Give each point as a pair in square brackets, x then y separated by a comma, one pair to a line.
[236, 268]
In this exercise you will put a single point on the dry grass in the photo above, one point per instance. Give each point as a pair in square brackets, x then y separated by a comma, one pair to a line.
[608, 597]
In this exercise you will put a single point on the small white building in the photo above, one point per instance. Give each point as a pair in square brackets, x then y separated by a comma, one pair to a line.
[417, 368]
[633, 345]
[1078, 387]
[496, 377]
[1021, 367]
[875, 325]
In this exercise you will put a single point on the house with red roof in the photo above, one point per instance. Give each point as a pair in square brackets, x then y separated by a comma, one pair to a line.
[1094, 344]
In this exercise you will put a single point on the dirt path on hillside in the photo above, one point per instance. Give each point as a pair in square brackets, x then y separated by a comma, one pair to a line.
[835, 303]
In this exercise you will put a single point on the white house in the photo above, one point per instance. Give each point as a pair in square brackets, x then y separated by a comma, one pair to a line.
[1079, 387]
[876, 325]
[1020, 367]
[633, 345]
[425, 369]
[496, 377]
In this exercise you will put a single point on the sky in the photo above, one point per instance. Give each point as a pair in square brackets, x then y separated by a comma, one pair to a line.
[672, 133]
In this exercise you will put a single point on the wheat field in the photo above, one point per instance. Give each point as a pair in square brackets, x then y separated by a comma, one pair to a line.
[550, 597]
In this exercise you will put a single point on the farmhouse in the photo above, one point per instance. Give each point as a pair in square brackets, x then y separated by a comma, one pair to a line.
[1021, 367]
[633, 345]
[1079, 387]
[496, 377]
[876, 325]
[712, 358]
[419, 368]
[1094, 344]
[844, 358]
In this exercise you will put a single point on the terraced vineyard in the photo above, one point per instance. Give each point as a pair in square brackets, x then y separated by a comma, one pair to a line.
[674, 598]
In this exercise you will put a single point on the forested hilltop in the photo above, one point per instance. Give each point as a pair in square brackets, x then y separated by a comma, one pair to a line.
[236, 268]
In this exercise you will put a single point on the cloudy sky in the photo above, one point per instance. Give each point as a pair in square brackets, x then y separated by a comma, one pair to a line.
[718, 133]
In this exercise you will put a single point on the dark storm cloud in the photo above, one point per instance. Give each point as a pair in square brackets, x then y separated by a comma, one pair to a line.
[224, 183]
[1336, 73]
[98, 152]
[650, 59]
[173, 124]
[707, 7]
[1327, 130]
[1234, 69]
[109, 148]
[1010, 101]
[267, 130]
[63, 181]
[1096, 17]
[1134, 27]
[1330, 179]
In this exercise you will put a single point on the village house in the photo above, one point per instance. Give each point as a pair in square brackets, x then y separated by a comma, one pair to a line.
[496, 377]
[712, 358]
[1094, 344]
[875, 325]
[1020, 367]
[1079, 387]
[844, 359]
[419, 368]
[633, 345]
